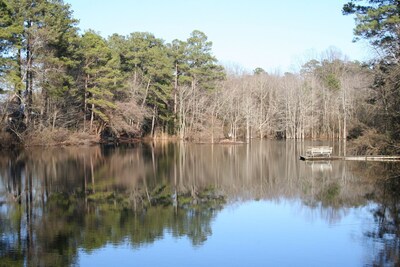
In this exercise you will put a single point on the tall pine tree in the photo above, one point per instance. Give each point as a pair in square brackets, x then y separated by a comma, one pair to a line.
[97, 87]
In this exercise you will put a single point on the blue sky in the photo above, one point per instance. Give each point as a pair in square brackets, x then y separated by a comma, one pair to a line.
[248, 33]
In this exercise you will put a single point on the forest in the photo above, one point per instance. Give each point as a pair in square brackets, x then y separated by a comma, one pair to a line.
[59, 85]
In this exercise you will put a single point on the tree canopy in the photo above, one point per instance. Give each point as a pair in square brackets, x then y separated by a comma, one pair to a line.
[377, 21]
[84, 82]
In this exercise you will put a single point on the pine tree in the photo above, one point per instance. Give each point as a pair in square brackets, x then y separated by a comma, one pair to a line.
[147, 58]
[57, 55]
[203, 67]
[11, 38]
[97, 82]
[36, 38]
[377, 21]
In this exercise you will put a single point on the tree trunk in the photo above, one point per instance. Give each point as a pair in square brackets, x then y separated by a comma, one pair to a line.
[85, 101]
[194, 100]
[175, 97]
[182, 117]
[54, 120]
[91, 118]
[212, 127]
[146, 93]
[29, 74]
[18, 85]
[312, 112]
[44, 112]
[153, 122]
[248, 129]
[344, 115]
[175, 89]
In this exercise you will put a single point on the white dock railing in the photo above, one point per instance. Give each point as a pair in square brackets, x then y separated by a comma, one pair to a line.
[325, 151]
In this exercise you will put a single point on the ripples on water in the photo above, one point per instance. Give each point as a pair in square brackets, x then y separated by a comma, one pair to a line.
[195, 205]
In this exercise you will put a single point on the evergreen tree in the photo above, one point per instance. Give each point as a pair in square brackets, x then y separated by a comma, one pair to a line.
[36, 38]
[178, 53]
[201, 76]
[57, 58]
[59, 75]
[203, 67]
[377, 21]
[97, 81]
[11, 38]
[116, 43]
[147, 58]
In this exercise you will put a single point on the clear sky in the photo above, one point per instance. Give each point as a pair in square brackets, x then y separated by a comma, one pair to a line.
[269, 34]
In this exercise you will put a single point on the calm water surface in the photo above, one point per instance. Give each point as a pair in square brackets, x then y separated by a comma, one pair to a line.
[174, 204]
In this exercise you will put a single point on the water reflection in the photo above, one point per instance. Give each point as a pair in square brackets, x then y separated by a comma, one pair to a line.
[55, 202]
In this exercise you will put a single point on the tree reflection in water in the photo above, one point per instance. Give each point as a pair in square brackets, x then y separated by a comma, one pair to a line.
[55, 202]
[387, 217]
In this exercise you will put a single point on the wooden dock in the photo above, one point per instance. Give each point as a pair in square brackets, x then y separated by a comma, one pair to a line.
[351, 158]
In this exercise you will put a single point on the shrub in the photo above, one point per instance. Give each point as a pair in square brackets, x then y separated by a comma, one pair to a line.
[373, 143]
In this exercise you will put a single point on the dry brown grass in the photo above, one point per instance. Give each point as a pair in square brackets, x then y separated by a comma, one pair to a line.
[60, 136]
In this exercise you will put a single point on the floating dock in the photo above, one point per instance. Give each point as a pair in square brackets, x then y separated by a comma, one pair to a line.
[353, 158]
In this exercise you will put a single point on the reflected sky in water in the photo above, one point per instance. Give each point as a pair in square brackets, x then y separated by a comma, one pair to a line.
[255, 233]
[175, 204]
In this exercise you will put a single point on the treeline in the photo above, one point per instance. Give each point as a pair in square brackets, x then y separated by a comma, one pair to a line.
[120, 86]
[326, 100]
[59, 82]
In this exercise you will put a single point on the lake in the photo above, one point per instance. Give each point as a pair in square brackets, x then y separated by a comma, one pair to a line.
[183, 204]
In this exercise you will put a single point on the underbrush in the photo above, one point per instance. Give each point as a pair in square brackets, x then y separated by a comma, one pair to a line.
[7, 139]
[374, 143]
[60, 136]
